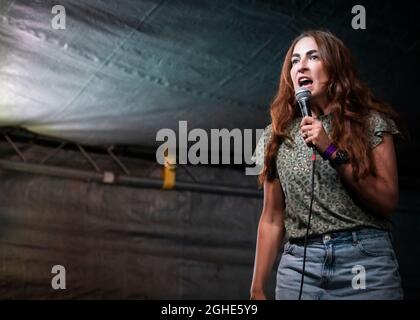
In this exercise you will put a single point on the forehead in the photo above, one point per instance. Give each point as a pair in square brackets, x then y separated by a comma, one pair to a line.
[304, 45]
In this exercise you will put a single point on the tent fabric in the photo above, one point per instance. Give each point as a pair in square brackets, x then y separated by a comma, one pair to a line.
[120, 242]
[121, 70]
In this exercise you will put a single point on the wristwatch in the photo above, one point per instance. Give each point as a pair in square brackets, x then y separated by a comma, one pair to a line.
[341, 157]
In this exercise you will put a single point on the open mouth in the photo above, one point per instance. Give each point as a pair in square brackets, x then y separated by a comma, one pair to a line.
[305, 82]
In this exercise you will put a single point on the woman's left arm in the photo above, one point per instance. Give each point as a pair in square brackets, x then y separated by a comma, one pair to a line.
[379, 192]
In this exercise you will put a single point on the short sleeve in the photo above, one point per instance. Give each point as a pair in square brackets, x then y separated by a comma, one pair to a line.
[380, 123]
[259, 153]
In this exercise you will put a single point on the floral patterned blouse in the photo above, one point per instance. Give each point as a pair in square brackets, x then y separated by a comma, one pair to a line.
[333, 207]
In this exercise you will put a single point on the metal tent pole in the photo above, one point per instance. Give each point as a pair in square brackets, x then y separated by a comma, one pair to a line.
[110, 178]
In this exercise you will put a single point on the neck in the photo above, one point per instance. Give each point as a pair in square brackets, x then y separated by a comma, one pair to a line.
[320, 107]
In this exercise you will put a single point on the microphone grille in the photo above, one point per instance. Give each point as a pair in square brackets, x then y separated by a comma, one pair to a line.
[302, 93]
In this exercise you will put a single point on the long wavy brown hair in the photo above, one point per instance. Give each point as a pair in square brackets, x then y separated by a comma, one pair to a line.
[351, 98]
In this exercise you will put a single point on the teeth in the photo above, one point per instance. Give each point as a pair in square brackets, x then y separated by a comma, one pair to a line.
[304, 81]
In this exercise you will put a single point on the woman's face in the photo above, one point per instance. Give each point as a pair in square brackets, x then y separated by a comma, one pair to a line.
[308, 69]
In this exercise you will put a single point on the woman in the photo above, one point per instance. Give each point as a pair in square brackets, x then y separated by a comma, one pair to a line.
[349, 254]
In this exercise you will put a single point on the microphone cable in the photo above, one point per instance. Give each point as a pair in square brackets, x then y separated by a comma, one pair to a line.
[309, 220]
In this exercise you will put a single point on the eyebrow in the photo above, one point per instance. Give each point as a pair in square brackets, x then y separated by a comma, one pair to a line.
[307, 53]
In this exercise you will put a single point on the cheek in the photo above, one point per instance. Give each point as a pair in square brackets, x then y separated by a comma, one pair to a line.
[323, 78]
[323, 74]
[320, 76]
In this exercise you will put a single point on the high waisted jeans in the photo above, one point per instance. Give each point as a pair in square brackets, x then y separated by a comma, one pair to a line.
[344, 265]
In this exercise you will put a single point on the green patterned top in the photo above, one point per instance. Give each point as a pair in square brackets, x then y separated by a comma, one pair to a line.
[333, 208]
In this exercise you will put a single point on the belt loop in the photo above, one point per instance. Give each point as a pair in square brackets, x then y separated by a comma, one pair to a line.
[354, 235]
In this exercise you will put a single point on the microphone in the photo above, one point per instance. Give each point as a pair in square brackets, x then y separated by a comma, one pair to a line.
[302, 96]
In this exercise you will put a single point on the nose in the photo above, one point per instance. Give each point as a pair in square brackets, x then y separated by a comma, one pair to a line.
[302, 66]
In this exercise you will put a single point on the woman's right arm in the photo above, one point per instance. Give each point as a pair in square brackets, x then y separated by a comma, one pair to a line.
[270, 235]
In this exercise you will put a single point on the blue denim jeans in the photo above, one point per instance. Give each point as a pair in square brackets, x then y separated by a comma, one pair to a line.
[358, 264]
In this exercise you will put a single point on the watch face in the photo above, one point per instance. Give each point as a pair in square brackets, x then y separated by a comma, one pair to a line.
[340, 158]
[344, 157]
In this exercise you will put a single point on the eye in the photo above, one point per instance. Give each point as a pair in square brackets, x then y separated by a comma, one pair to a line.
[294, 61]
[314, 57]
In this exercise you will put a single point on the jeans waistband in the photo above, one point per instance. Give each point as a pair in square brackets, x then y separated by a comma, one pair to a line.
[344, 236]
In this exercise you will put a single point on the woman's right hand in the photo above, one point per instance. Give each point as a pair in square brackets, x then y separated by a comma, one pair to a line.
[258, 295]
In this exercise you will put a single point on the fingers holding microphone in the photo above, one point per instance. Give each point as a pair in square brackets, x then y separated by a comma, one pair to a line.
[313, 133]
